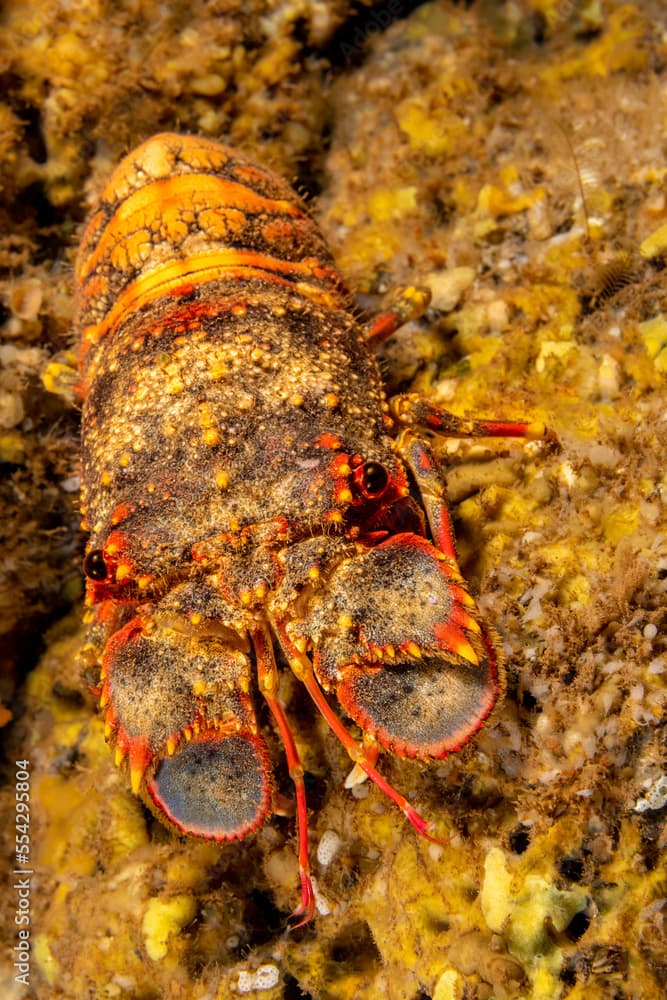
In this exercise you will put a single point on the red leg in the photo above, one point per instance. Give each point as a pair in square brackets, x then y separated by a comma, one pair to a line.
[409, 303]
[430, 482]
[303, 670]
[267, 675]
[412, 411]
[371, 752]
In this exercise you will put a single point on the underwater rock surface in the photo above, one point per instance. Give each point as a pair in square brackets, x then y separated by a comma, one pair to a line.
[513, 158]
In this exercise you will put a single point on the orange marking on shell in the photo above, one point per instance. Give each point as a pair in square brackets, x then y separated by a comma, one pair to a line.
[122, 512]
[464, 620]
[327, 440]
[140, 758]
[171, 279]
[281, 232]
[168, 202]
[461, 596]
[452, 638]
[250, 175]
[340, 465]
[195, 151]
[97, 287]
[123, 572]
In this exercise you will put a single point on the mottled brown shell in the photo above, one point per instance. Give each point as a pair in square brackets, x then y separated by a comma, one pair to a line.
[218, 361]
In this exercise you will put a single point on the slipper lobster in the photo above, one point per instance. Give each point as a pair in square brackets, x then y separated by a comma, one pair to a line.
[246, 484]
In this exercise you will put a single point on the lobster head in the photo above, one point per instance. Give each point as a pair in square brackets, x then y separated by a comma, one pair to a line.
[390, 629]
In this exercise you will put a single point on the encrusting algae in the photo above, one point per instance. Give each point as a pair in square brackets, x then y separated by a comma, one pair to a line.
[512, 158]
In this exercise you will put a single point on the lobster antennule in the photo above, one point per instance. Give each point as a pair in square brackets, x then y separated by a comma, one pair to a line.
[397, 638]
[198, 759]
[426, 708]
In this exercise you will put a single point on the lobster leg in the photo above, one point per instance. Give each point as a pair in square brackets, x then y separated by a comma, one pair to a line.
[364, 757]
[428, 476]
[409, 303]
[410, 411]
[267, 676]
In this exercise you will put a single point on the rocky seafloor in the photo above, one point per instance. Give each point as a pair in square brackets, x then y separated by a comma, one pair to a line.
[512, 157]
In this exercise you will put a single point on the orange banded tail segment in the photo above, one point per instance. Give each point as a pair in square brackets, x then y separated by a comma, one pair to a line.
[182, 210]
[177, 277]
[169, 210]
[168, 154]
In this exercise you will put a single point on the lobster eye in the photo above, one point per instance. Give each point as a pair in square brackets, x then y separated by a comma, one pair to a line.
[94, 565]
[372, 479]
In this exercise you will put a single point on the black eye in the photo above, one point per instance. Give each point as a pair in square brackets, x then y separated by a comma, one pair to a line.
[94, 565]
[372, 479]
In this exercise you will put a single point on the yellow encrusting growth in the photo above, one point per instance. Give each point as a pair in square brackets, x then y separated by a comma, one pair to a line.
[163, 919]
